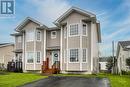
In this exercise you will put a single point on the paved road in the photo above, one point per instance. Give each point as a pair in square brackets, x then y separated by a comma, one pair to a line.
[70, 82]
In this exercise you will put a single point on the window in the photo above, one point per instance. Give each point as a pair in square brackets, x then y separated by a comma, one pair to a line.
[65, 56]
[53, 34]
[38, 57]
[73, 29]
[84, 55]
[30, 57]
[19, 39]
[84, 29]
[65, 32]
[38, 35]
[74, 55]
[30, 35]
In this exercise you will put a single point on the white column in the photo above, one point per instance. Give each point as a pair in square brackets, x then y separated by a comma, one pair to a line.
[80, 51]
[67, 60]
[92, 30]
[44, 45]
[34, 49]
[23, 54]
[61, 48]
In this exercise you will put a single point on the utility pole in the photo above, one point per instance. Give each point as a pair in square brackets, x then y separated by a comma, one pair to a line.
[113, 69]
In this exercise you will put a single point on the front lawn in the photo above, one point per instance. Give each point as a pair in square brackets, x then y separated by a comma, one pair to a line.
[17, 79]
[115, 80]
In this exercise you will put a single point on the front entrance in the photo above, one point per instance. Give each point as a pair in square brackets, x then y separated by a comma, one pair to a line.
[55, 56]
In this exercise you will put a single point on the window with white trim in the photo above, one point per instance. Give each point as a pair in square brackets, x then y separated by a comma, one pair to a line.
[84, 29]
[30, 57]
[38, 57]
[84, 55]
[73, 29]
[19, 38]
[53, 34]
[38, 35]
[74, 55]
[30, 35]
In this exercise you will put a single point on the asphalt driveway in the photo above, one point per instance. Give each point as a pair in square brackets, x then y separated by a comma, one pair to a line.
[69, 82]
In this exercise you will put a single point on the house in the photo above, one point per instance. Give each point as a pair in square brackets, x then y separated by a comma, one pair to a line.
[6, 53]
[73, 42]
[103, 63]
[123, 52]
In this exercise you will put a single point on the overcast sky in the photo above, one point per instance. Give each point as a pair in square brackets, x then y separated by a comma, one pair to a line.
[114, 16]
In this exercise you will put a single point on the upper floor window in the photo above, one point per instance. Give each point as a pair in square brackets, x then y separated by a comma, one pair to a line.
[19, 39]
[38, 35]
[30, 36]
[74, 55]
[30, 57]
[84, 29]
[53, 34]
[38, 57]
[73, 29]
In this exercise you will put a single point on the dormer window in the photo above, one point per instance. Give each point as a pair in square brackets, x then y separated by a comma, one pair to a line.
[53, 34]
[73, 30]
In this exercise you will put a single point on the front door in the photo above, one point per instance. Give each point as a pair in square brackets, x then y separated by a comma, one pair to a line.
[55, 56]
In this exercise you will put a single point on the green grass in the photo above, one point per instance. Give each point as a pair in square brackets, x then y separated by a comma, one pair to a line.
[115, 80]
[17, 79]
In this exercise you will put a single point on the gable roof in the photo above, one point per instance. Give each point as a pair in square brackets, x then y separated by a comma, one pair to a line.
[68, 12]
[27, 20]
[124, 44]
[6, 44]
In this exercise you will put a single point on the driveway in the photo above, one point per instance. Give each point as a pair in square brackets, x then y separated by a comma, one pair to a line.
[57, 81]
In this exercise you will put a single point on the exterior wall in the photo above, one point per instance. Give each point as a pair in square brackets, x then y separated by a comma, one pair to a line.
[6, 54]
[55, 41]
[123, 55]
[18, 45]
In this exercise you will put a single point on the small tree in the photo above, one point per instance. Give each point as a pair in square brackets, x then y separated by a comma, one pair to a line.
[109, 64]
[128, 61]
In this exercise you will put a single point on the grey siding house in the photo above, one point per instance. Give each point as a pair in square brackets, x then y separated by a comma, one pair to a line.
[123, 52]
[73, 42]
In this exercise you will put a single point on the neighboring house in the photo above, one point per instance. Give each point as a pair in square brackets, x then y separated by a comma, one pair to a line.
[73, 42]
[102, 63]
[123, 52]
[6, 53]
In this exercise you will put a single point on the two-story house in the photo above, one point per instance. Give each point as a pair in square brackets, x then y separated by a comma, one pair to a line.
[123, 52]
[73, 42]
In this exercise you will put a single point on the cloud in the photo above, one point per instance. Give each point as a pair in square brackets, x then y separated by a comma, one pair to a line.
[49, 10]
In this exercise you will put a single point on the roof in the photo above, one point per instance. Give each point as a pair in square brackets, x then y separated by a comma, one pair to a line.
[5, 44]
[124, 44]
[27, 20]
[74, 9]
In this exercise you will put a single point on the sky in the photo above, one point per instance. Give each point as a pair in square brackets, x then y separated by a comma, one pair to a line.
[114, 17]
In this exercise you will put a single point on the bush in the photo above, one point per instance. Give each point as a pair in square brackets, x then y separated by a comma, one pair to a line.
[125, 72]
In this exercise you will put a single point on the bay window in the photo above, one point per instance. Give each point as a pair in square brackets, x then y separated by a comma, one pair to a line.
[74, 55]
[73, 29]
[38, 57]
[30, 57]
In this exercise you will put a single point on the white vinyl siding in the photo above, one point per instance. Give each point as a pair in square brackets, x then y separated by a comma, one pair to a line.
[38, 57]
[65, 32]
[84, 55]
[38, 35]
[30, 35]
[19, 39]
[53, 34]
[30, 57]
[65, 56]
[73, 30]
[74, 55]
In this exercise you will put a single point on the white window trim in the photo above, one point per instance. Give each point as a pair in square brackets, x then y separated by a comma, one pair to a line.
[65, 30]
[78, 29]
[52, 36]
[86, 29]
[36, 57]
[40, 35]
[27, 56]
[78, 54]
[27, 40]
[86, 55]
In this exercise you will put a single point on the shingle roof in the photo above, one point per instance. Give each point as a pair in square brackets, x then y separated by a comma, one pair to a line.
[124, 44]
